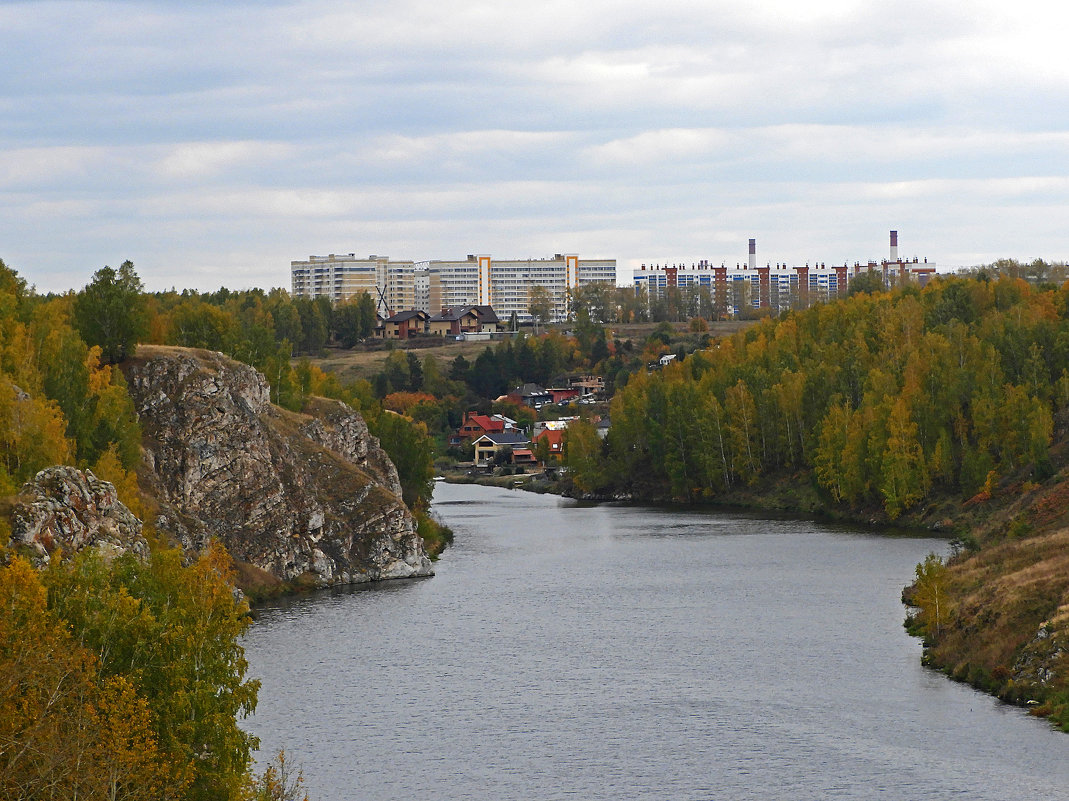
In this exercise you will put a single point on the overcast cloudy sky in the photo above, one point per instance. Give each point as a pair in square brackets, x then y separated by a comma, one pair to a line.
[211, 143]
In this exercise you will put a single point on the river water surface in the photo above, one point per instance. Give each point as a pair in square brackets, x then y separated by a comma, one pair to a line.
[565, 651]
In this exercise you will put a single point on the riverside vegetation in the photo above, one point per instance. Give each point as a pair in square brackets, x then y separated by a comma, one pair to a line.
[122, 677]
[944, 406]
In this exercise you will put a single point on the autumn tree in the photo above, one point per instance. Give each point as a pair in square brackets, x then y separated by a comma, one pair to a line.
[65, 730]
[929, 596]
[174, 632]
[110, 312]
[32, 435]
[411, 449]
[195, 324]
[742, 427]
[903, 470]
[539, 304]
[354, 320]
[583, 455]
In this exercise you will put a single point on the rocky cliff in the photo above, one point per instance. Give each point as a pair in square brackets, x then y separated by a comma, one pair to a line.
[305, 497]
[68, 510]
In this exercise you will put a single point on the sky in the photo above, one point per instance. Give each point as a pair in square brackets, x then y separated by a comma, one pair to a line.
[211, 143]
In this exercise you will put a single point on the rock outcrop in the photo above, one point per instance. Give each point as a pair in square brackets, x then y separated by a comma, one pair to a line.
[67, 509]
[1037, 664]
[309, 497]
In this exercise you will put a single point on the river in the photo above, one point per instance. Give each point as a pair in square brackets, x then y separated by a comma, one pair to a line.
[570, 651]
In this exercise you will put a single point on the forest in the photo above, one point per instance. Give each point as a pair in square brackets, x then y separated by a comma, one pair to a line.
[120, 679]
[876, 401]
[126, 679]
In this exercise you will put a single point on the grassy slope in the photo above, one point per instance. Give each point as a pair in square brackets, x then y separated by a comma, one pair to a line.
[350, 365]
[1007, 590]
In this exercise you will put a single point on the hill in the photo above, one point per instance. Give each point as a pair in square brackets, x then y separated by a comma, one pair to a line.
[364, 361]
[943, 407]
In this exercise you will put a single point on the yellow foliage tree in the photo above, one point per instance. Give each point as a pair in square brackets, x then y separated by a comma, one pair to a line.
[32, 433]
[64, 732]
[109, 468]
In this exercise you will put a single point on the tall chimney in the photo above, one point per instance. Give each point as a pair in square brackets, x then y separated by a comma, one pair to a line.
[753, 254]
[894, 245]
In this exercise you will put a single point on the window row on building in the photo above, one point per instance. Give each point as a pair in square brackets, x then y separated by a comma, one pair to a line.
[435, 285]
[779, 287]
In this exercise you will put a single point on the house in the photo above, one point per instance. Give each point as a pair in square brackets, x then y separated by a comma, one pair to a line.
[563, 394]
[475, 425]
[452, 322]
[554, 439]
[510, 424]
[488, 320]
[530, 395]
[552, 425]
[405, 325]
[588, 384]
[602, 427]
[668, 358]
[489, 446]
[524, 457]
[464, 320]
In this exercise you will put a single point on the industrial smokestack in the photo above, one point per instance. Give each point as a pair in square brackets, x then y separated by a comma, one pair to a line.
[894, 245]
[753, 254]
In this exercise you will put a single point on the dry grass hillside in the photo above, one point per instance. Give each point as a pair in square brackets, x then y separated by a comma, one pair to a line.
[366, 361]
[1004, 625]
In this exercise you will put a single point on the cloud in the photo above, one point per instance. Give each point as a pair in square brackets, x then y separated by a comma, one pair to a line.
[207, 140]
[657, 147]
[200, 159]
[36, 166]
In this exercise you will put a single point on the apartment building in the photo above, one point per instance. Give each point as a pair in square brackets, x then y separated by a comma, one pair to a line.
[778, 287]
[506, 284]
[478, 280]
[340, 277]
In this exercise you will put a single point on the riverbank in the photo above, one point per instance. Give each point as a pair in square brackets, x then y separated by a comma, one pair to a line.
[792, 495]
[1003, 594]
[529, 482]
[767, 654]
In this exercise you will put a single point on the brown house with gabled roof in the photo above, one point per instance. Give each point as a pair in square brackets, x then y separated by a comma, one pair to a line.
[554, 439]
[464, 320]
[405, 325]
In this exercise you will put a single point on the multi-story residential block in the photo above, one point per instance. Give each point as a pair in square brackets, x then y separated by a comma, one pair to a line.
[506, 284]
[435, 285]
[340, 277]
[780, 287]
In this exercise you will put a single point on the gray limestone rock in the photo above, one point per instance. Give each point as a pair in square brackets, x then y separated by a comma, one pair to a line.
[310, 496]
[1036, 665]
[67, 509]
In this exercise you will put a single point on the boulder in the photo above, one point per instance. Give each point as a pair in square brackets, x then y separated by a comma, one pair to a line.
[67, 509]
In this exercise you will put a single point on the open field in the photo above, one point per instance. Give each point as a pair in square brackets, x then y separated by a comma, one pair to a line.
[364, 362]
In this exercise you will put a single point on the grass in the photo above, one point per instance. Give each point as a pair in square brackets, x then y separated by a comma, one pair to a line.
[366, 361]
[999, 598]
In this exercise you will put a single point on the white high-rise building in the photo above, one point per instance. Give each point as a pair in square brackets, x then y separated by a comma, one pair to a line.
[435, 285]
[340, 277]
[506, 284]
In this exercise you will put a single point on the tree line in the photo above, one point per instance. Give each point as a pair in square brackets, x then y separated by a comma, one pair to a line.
[118, 679]
[876, 400]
